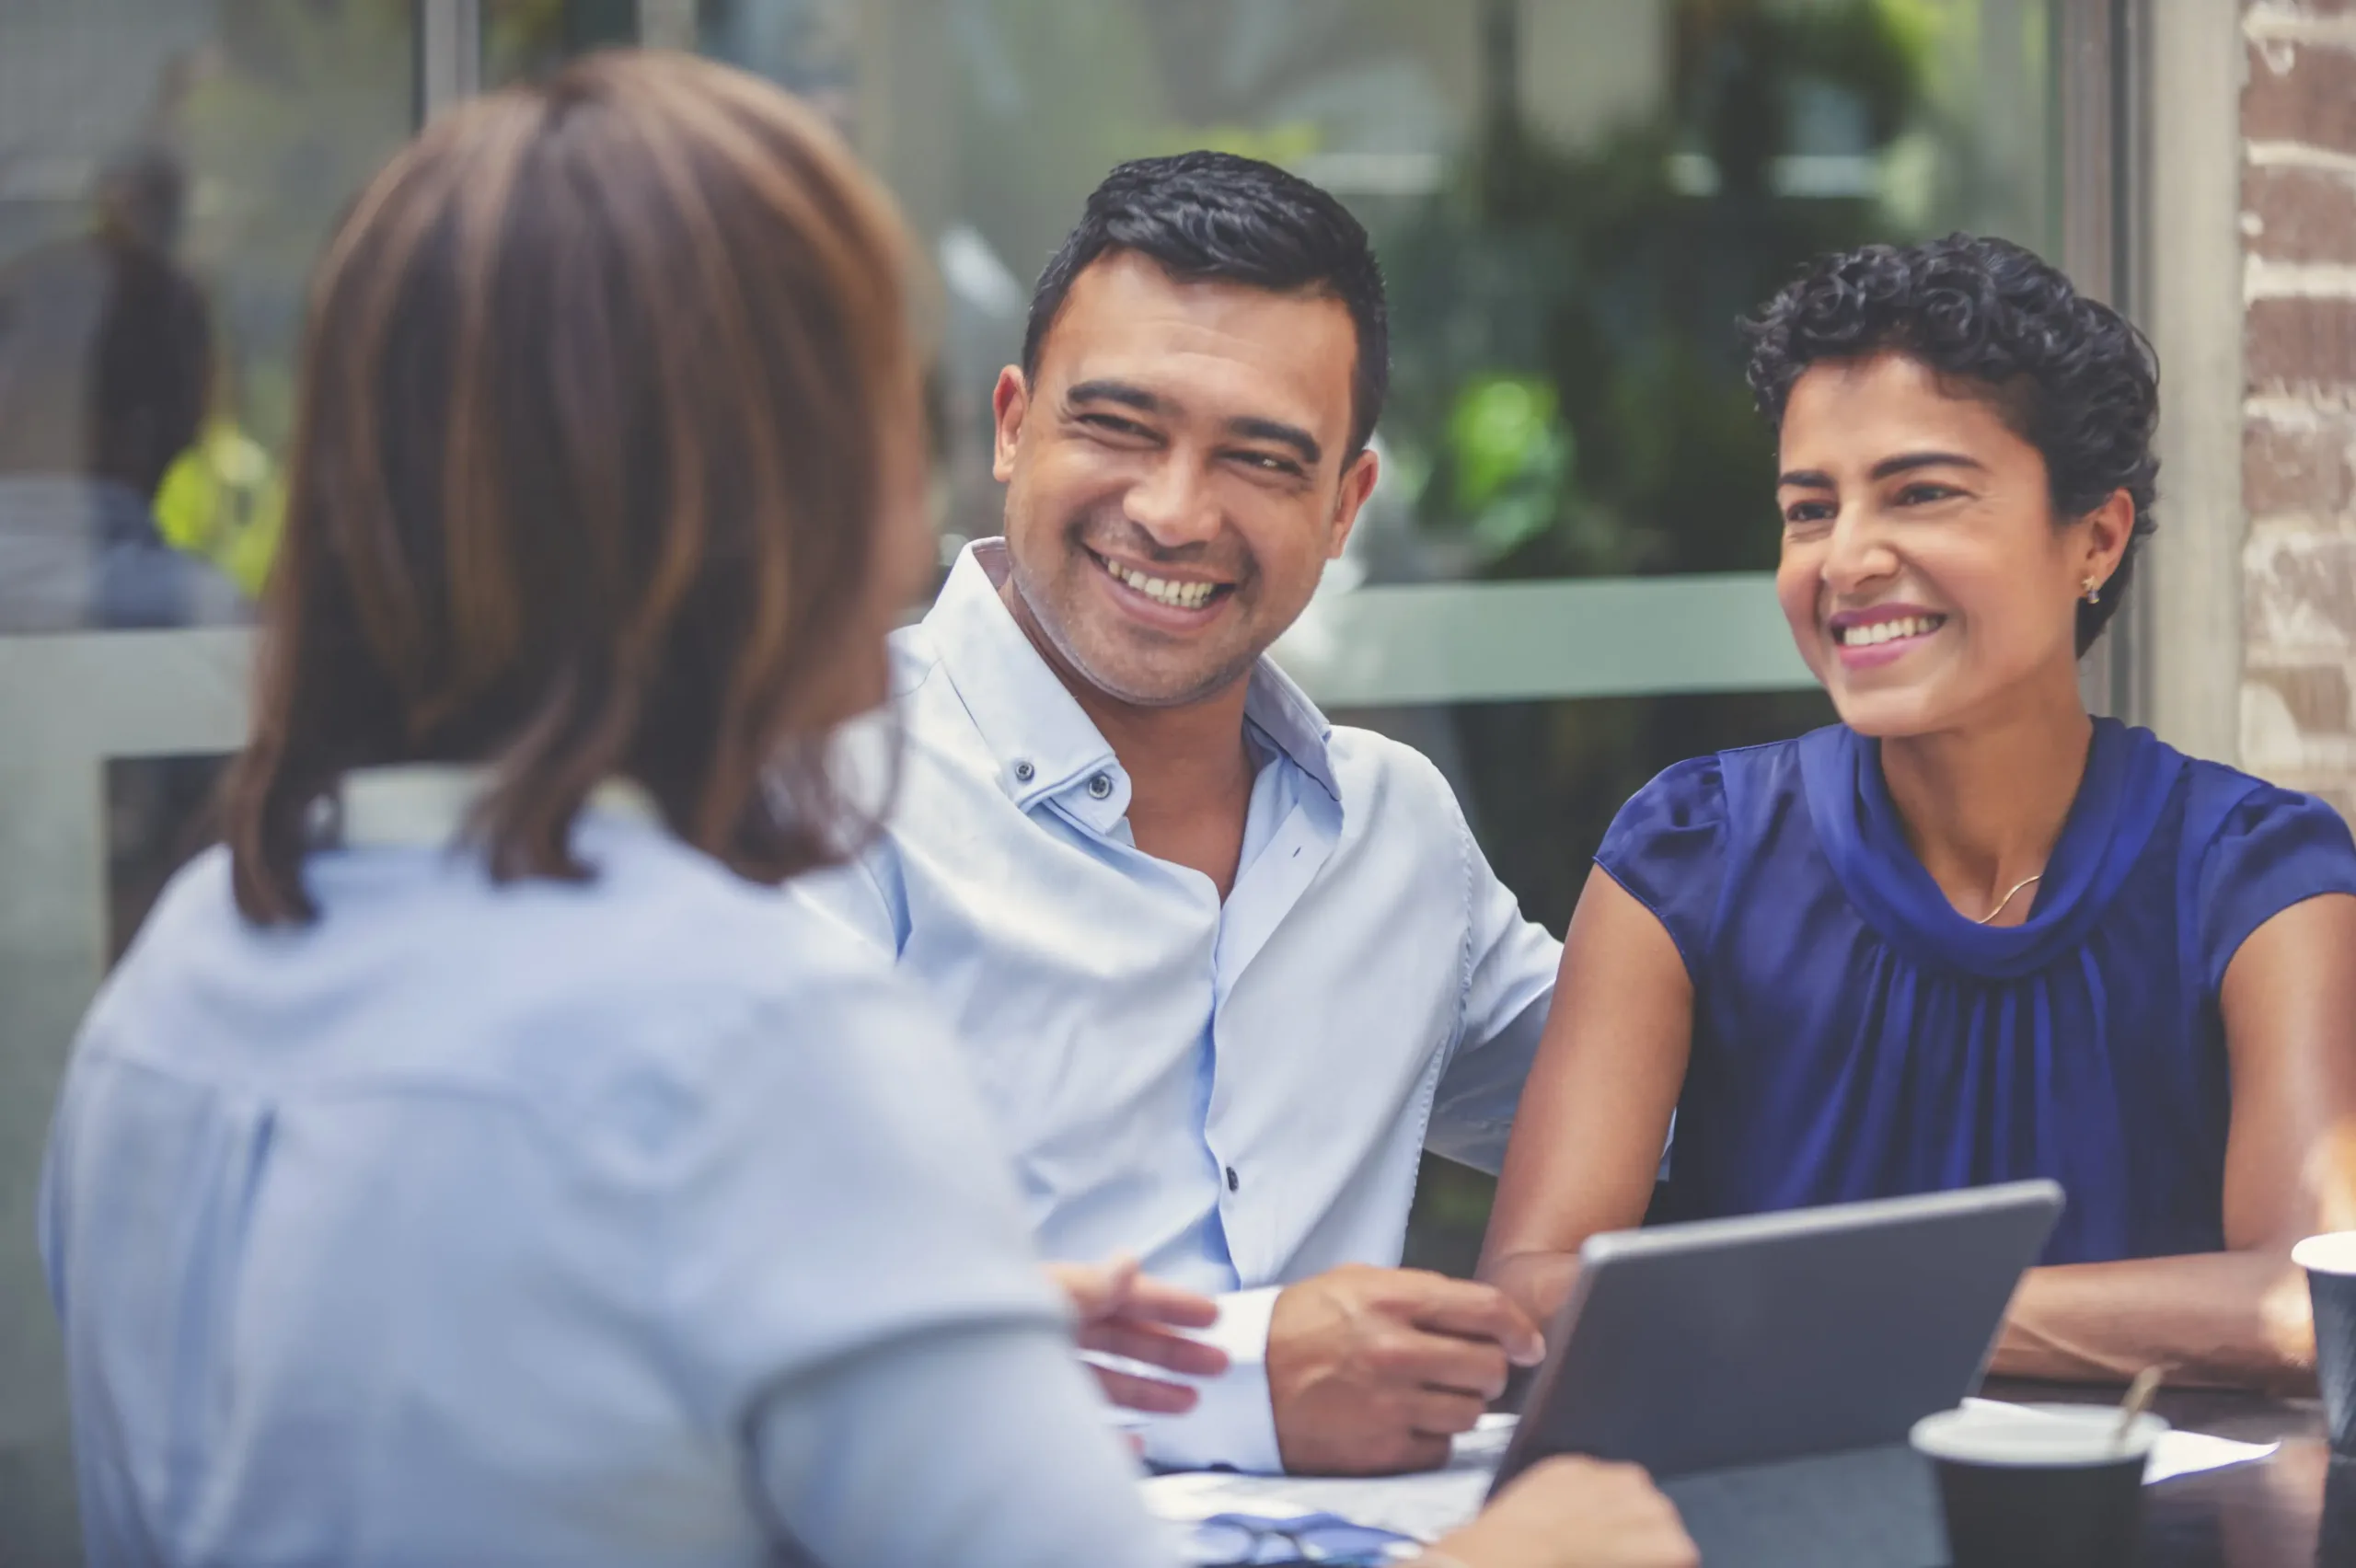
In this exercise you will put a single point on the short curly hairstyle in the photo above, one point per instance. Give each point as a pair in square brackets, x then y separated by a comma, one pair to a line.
[2068, 375]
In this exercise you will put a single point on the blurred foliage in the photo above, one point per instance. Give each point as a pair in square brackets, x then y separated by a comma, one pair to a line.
[525, 39]
[1552, 301]
[1285, 144]
[1450, 1213]
[1589, 279]
[225, 498]
[1505, 461]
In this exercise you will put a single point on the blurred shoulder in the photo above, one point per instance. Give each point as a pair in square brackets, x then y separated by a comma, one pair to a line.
[668, 916]
[915, 659]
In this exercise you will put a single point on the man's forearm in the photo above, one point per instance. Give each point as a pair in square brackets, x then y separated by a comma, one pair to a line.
[2231, 1319]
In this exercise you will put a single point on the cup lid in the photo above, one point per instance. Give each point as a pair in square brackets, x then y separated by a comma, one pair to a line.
[2034, 1439]
[2334, 1253]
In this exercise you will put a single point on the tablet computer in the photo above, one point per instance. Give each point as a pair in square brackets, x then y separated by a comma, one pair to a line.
[1724, 1343]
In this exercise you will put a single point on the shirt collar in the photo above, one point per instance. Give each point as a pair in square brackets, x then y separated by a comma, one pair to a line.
[425, 804]
[1030, 719]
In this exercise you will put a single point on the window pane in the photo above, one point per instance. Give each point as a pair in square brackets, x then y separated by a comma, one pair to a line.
[1573, 201]
[524, 39]
[160, 813]
[168, 169]
[166, 173]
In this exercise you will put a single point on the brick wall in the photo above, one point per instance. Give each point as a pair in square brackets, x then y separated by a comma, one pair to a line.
[2298, 224]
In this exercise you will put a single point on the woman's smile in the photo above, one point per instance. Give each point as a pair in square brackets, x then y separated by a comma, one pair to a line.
[1870, 639]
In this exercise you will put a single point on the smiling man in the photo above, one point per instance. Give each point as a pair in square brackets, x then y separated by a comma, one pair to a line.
[1224, 970]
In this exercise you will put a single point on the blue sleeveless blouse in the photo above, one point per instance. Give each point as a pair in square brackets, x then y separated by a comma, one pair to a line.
[1855, 1037]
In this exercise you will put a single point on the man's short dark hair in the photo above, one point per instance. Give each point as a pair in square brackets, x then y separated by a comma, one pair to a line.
[2068, 375]
[1202, 216]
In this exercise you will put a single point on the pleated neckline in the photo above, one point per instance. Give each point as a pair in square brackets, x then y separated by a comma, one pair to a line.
[2129, 777]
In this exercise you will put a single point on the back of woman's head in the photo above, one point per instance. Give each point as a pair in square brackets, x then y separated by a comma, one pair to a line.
[607, 393]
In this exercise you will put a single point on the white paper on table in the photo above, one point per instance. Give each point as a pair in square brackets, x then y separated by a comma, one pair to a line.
[1426, 1506]
[2175, 1453]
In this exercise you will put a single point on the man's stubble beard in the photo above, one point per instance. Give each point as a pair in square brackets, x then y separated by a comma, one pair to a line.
[1054, 628]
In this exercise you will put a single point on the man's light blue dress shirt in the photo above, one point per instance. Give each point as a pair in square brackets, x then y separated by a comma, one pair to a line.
[645, 1220]
[1238, 1093]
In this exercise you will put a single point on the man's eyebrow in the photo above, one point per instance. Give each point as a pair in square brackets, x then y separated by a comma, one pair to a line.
[1126, 394]
[1284, 434]
[1907, 461]
[1805, 478]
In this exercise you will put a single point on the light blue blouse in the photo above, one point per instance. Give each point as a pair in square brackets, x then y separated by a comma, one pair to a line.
[647, 1220]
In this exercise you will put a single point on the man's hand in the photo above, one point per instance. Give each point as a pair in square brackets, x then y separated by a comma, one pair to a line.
[1574, 1513]
[1122, 1312]
[1372, 1371]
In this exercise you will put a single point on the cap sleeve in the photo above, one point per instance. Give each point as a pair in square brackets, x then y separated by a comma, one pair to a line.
[2275, 848]
[1667, 849]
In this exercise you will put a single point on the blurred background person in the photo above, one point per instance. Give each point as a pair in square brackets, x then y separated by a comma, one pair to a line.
[106, 360]
[477, 1159]
[1970, 934]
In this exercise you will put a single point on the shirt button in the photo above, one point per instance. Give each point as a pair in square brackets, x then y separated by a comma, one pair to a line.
[1233, 1183]
[1024, 773]
[1101, 786]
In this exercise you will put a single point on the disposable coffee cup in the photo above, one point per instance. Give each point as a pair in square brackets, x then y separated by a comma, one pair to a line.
[2039, 1489]
[2330, 1262]
[2336, 1533]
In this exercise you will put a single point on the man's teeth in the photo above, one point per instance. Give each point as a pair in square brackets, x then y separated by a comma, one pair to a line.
[1179, 596]
[1889, 630]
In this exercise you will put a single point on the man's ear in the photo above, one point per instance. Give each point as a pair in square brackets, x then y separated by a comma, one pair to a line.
[1357, 483]
[1009, 403]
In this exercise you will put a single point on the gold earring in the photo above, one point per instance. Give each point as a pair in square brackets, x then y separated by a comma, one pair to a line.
[2094, 591]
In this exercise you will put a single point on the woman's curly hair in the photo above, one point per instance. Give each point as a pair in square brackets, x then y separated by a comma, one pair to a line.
[2068, 375]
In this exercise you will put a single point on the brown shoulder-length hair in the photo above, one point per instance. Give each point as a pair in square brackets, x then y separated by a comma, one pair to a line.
[588, 474]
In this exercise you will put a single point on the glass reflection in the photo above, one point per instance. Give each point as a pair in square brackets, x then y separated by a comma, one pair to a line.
[106, 366]
[1574, 200]
[525, 39]
[167, 170]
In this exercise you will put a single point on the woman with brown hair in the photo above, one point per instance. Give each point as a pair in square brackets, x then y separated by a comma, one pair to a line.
[477, 1159]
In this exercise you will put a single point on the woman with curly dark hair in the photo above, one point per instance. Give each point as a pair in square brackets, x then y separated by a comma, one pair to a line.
[1971, 933]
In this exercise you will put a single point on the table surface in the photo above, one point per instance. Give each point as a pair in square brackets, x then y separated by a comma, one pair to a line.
[2295, 1507]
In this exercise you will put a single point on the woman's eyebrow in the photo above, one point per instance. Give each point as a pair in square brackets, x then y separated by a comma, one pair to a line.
[1905, 462]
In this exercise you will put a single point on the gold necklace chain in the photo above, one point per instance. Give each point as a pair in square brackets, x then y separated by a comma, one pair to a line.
[2009, 898]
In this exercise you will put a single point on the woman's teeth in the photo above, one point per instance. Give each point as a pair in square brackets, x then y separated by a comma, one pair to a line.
[1888, 630]
[1178, 595]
